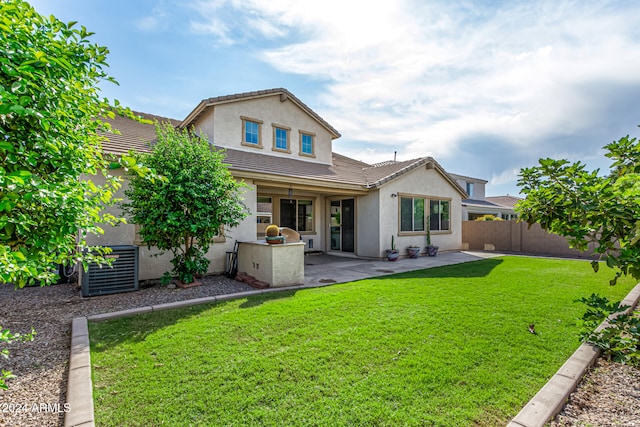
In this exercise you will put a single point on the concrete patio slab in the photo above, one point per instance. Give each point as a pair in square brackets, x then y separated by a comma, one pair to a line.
[319, 269]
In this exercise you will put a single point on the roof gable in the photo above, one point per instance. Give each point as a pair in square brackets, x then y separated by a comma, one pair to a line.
[381, 173]
[284, 94]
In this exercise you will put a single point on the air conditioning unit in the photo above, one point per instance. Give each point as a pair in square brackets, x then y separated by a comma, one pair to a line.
[120, 276]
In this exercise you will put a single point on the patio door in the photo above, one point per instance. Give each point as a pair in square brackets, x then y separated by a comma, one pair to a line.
[342, 225]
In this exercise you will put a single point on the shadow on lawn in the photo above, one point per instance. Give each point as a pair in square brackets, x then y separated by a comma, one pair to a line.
[138, 327]
[480, 268]
[262, 298]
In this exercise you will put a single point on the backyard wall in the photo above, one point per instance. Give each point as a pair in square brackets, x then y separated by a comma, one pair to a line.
[512, 236]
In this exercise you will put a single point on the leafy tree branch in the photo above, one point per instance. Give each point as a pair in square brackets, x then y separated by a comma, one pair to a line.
[195, 199]
[590, 207]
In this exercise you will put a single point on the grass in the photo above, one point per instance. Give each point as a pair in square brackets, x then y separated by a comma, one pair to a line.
[447, 346]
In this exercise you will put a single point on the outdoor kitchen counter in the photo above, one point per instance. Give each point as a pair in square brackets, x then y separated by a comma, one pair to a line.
[278, 265]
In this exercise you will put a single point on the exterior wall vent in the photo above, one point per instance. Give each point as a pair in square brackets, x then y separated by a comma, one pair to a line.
[121, 276]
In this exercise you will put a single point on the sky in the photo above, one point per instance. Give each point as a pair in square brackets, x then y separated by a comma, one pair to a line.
[486, 87]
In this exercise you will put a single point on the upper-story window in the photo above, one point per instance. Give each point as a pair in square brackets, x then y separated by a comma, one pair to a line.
[281, 138]
[470, 189]
[307, 144]
[251, 132]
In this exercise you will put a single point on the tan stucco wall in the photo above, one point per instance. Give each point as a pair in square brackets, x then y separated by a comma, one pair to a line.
[369, 225]
[512, 236]
[152, 267]
[223, 125]
[277, 265]
[419, 182]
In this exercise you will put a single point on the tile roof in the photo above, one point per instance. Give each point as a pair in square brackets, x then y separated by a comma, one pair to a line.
[481, 203]
[140, 136]
[284, 94]
[506, 201]
[343, 170]
[379, 173]
[133, 135]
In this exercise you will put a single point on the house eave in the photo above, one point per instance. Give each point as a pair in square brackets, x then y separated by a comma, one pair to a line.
[284, 181]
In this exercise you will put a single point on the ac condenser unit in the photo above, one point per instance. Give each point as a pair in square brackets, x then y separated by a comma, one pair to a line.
[120, 276]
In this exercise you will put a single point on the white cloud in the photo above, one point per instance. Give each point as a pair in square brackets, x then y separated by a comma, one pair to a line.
[157, 20]
[424, 76]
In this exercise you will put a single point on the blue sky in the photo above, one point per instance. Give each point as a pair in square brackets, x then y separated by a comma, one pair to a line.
[485, 87]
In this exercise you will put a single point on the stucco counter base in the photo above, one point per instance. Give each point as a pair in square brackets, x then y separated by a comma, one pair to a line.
[277, 265]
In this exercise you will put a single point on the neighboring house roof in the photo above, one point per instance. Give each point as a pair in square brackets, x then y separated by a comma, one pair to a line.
[481, 204]
[507, 201]
[133, 135]
[284, 95]
[490, 204]
[467, 178]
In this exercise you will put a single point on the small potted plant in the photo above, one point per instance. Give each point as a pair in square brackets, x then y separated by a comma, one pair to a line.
[393, 253]
[431, 249]
[273, 235]
[413, 251]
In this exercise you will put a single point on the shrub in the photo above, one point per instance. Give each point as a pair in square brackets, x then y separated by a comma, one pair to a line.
[489, 217]
[620, 341]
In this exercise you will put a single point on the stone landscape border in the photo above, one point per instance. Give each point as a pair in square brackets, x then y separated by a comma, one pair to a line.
[541, 409]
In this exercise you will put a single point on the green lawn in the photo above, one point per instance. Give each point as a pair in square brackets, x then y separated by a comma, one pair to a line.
[447, 346]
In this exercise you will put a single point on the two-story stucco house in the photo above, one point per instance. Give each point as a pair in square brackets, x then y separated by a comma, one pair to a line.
[478, 204]
[283, 150]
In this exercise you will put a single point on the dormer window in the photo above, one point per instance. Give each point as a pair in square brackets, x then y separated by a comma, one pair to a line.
[307, 144]
[281, 138]
[251, 132]
[470, 189]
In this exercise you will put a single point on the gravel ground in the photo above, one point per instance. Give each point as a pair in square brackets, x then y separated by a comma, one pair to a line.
[36, 396]
[609, 395]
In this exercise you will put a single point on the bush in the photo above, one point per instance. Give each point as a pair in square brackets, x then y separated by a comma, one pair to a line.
[620, 341]
[489, 217]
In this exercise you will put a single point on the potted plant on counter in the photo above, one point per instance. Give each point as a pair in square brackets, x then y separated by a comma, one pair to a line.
[273, 235]
[393, 253]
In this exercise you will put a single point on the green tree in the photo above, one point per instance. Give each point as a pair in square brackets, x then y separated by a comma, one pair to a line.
[49, 144]
[7, 337]
[587, 206]
[188, 208]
